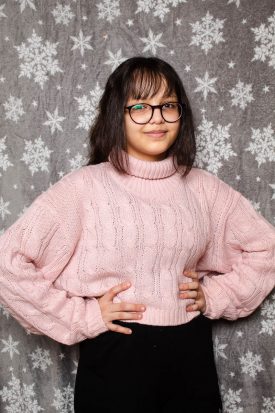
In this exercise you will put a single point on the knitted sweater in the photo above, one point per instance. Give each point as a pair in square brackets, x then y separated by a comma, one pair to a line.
[96, 228]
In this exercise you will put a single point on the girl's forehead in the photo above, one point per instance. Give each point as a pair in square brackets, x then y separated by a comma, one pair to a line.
[148, 87]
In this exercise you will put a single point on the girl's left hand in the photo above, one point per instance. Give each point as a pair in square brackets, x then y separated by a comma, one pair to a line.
[193, 290]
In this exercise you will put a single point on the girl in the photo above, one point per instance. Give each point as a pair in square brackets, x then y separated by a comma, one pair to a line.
[134, 254]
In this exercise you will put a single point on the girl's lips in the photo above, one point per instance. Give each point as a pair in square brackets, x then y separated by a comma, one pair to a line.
[156, 133]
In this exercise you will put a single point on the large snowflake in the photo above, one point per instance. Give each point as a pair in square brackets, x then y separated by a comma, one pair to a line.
[4, 208]
[62, 14]
[268, 405]
[108, 9]
[36, 155]
[213, 146]
[262, 145]
[207, 32]
[38, 59]
[63, 400]
[115, 59]
[19, 397]
[89, 107]
[81, 42]
[159, 7]
[2, 14]
[24, 3]
[219, 349]
[265, 36]
[268, 310]
[41, 359]
[10, 346]
[77, 161]
[237, 2]
[54, 120]
[231, 399]
[251, 364]
[4, 159]
[14, 108]
[241, 94]
[206, 85]
[152, 42]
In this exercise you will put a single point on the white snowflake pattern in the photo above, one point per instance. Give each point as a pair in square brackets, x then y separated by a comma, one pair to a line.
[24, 3]
[152, 42]
[62, 14]
[2, 308]
[207, 32]
[256, 205]
[242, 94]
[81, 43]
[54, 120]
[206, 85]
[41, 359]
[231, 399]
[159, 7]
[265, 36]
[38, 59]
[4, 208]
[77, 161]
[63, 400]
[273, 187]
[10, 346]
[115, 59]
[2, 14]
[251, 364]
[89, 107]
[268, 310]
[213, 146]
[14, 108]
[262, 145]
[36, 155]
[268, 405]
[108, 9]
[219, 349]
[237, 2]
[4, 159]
[20, 397]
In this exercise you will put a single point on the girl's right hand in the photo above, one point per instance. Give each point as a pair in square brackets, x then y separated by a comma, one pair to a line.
[111, 311]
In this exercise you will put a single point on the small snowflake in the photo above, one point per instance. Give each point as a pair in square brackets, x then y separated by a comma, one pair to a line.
[54, 121]
[41, 359]
[237, 2]
[206, 85]
[115, 59]
[273, 187]
[262, 145]
[268, 310]
[10, 346]
[36, 155]
[231, 399]
[268, 405]
[242, 94]
[20, 397]
[251, 364]
[2, 14]
[265, 36]
[24, 3]
[64, 400]
[38, 59]
[159, 7]
[256, 205]
[81, 43]
[89, 107]
[74, 371]
[4, 159]
[152, 42]
[2, 308]
[207, 32]
[4, 208]
[219, 349]
[77, 161]
[14, 108]
[213, 146]
[62, 14]
[108, 9]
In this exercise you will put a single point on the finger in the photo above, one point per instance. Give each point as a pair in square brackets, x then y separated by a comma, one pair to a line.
[134, 308]
[110, 295]
[189, 294]
[118, 329]
[189, 286]
[125, 316]
[191, 274]
[193, 307]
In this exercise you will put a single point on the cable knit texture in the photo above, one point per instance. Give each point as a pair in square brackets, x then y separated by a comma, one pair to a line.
[97, 228]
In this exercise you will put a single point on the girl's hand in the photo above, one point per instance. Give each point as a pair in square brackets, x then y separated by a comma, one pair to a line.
[193, 290]
[111, 311]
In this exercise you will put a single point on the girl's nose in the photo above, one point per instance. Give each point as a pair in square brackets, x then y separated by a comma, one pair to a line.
[157, 118]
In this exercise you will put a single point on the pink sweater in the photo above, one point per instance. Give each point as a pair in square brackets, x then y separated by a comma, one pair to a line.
[96, 228]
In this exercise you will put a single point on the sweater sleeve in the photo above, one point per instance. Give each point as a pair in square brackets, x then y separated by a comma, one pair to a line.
[240, 258]
[33, 253]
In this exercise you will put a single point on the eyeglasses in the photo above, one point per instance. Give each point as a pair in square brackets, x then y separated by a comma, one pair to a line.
[142, 113]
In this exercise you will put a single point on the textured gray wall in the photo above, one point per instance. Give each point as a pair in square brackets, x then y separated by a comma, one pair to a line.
[55, 59]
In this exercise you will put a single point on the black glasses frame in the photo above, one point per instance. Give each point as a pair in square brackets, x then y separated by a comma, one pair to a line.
[153, 107]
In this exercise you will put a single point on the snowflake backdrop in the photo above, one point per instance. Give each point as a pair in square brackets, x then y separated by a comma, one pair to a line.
[55, 59]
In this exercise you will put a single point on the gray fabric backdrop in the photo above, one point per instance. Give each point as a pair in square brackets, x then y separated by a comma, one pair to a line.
[55, 59]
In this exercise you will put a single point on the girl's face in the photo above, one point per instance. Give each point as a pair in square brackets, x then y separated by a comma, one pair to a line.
[151, 141]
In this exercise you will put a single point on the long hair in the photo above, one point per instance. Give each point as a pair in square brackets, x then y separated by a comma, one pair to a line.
[138, 78]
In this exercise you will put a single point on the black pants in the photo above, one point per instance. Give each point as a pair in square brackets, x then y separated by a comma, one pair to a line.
[153, 370]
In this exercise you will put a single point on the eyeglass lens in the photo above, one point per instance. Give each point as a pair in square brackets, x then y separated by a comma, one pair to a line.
[142, 113]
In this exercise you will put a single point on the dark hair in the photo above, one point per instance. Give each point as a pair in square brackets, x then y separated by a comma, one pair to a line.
[138, 78]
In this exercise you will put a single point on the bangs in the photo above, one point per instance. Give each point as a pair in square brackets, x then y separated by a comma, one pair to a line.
[146, 83]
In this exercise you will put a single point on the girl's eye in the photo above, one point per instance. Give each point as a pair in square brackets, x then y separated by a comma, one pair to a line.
[138, 107]
[169, 105]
